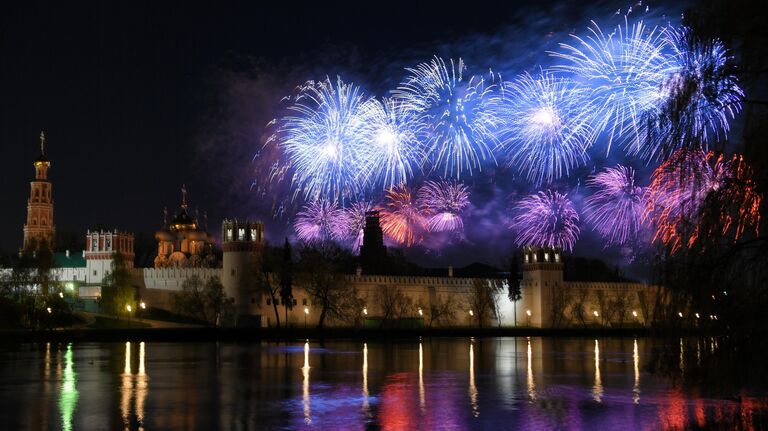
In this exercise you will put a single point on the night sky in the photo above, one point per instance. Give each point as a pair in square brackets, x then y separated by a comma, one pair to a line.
[138, 98]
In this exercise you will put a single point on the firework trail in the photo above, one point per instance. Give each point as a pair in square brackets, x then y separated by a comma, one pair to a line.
[321, 138]
[547, 127]
[462, 114]
[319, 222]
[394, 132]
[355, 223]
[442, 203]
[700, 96]
[401, 219]
[546, 219]
[695, 195]
[624, 71]
[616, 208]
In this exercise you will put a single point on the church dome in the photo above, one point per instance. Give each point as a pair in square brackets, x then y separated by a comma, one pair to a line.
[183, 222]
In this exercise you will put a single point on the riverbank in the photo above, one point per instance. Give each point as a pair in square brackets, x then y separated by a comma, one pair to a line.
[255, 334]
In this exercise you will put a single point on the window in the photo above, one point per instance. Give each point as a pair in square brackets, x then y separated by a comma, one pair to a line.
[95, 272]
[557, 257]
[233, 272]
[546, 257]
[241, 234]
[294, 302]
[229, 234]
[526, 258]
[304, 301]
[269, 301]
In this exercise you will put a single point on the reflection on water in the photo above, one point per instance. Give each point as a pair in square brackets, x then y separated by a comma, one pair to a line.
[421, 378]
[472, 386]
[529, 373]
[597, 387]
[133, 390]
[636, 364]
[68, 392]
[305, 386]
[529, 383]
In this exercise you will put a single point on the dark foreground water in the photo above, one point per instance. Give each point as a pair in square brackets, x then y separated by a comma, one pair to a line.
[455, 383]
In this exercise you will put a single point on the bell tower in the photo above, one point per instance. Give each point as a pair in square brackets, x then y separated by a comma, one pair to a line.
[39, 229]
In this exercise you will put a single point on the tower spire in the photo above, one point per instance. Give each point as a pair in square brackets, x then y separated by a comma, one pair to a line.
[184, 196]
[42, 142]
[165, 216]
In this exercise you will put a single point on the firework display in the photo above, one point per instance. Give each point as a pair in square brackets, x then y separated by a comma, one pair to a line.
[547, 218]
[695, 195]
[548, 126]
[322, 139]
[442, 203]
[701, 95]
[624, 70]
[662, 94]
[462, 113]
[401, 219]
[320, 221]
[615, 209]
[395, 134]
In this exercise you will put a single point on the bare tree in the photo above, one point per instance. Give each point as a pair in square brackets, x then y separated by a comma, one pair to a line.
[393, 303]
[442, 309]
[483, 297]
[620, 306]
[579, 309]
[562, 296]
[320, 273]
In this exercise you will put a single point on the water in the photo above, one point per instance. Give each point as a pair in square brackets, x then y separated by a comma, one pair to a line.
[453, 384]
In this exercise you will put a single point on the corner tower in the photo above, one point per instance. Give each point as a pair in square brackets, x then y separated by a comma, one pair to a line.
[240, 240]
[39, 229]
[542, 274]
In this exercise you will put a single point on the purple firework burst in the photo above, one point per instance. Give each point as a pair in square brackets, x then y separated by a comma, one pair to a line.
[546, 219]
[442, 202]
[320, 221]
[615, 210]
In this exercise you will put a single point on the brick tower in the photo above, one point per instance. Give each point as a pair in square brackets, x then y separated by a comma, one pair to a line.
[39, 229]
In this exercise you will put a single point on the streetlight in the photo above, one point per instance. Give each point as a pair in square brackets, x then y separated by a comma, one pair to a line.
[596, 313]
[49, 310]
[471, 313]
[143, 305]
[421, 312]
[365, 311]
[129, 308]
[634, 313]
[61, 294]
[306, 313]
[528, 319]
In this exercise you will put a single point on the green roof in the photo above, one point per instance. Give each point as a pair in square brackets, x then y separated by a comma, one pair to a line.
[75, 260]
